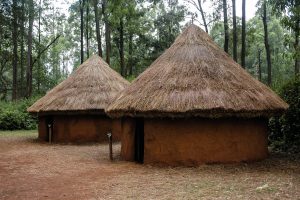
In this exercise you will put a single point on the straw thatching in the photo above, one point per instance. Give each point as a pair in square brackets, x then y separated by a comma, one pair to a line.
[194, 77]
[88, 89]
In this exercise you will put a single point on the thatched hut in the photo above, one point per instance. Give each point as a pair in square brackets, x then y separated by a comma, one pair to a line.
[194, 105]
[73, 111]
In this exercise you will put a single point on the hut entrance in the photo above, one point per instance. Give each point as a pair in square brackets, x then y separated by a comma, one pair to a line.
[139, 141]
[49, 126]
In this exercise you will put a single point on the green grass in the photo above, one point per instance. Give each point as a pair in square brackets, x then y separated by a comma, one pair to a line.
[18, 133]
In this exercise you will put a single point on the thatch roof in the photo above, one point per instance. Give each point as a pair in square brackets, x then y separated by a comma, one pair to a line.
[91, 87]
[194, 77]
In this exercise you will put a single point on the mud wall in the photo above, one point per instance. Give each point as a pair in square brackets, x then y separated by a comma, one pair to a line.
[79, 128]
[196, 141]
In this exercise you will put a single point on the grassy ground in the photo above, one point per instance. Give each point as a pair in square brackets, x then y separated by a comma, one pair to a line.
[34, 170]
[18, 133]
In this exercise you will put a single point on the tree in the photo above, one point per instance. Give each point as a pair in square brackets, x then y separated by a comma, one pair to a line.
[15, 49]
[290, 12]
[243, 51]
[107, 31]
[198, 6]
[235, 39]
[226, 34]
[87, 28]
[98, 35]
[81, 3]
[266, 41]
[29, 51]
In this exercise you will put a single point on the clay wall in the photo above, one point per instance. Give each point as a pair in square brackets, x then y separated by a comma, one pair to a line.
[196, 141]
[80, 128]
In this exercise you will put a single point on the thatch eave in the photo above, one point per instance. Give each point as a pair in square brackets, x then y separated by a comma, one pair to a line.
[212, 113]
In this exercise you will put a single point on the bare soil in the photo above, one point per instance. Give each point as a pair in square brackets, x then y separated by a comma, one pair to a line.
[34, 170]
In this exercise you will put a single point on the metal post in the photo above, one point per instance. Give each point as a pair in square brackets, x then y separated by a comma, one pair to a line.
[109, 135]
[50, 133]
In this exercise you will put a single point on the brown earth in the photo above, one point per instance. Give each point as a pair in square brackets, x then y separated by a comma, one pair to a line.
[33, 170]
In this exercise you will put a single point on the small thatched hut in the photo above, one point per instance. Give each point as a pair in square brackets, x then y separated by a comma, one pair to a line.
[73, 111]
[194, 105]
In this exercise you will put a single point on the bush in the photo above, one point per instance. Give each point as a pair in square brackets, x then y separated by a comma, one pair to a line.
[13, 115]
[285, 130]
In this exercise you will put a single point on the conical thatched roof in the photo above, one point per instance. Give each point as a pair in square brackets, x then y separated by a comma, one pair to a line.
[90, 88]
[194, 77]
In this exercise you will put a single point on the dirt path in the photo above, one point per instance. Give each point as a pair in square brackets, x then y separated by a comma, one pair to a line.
[34, 170]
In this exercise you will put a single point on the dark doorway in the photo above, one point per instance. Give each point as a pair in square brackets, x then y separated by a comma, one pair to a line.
[49, 126]
[139, 141]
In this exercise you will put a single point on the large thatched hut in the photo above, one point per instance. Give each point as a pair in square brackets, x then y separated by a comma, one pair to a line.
[73, 111]
[194, 105]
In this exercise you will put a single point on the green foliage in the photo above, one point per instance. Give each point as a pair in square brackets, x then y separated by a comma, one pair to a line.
[285, 131]
[13, 115]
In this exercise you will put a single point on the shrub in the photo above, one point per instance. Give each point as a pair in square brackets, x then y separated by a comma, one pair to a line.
[13, 115]
[285, 130]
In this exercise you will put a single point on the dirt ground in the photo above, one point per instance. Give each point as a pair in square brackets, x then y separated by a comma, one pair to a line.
[33, 170]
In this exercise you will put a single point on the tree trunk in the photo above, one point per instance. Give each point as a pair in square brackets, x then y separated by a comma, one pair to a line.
[267, 47]
[39, 48]
[121, 48]
[81, 2]
[15, 49]
[22, 32]
[259, 64]
[296, 46]
[243, 52]
[226, 34]
[234, 31]
[87, 29]
[202, 15]
[98, 35]
[107, 32]
[130, 52]
[29, 51]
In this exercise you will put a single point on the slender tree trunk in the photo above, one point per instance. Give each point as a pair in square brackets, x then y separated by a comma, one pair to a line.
[297, 47]
[39, 48]
[243, 52]
[130, 52]
[202, 15]
[22, 32]
[81, 2]
[121, 48]
[226, 34]
[29, 51]
[87, 28]
[107, 32]
[15, 49]
[234, 31]
[259, 65]
[98, 35]
[267, 47]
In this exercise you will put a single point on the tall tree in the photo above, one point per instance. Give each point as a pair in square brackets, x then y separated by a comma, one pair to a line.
[107, 31]
[121, 48]
[81, 4]
[29, 48]
[290, 11]
[98, 35]
[266, 40]
[39, 47]
[198, 6]
[234, 31]
[226, 33]
[243, 52]
[15, 49]
[87, 28]
[22, 33]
